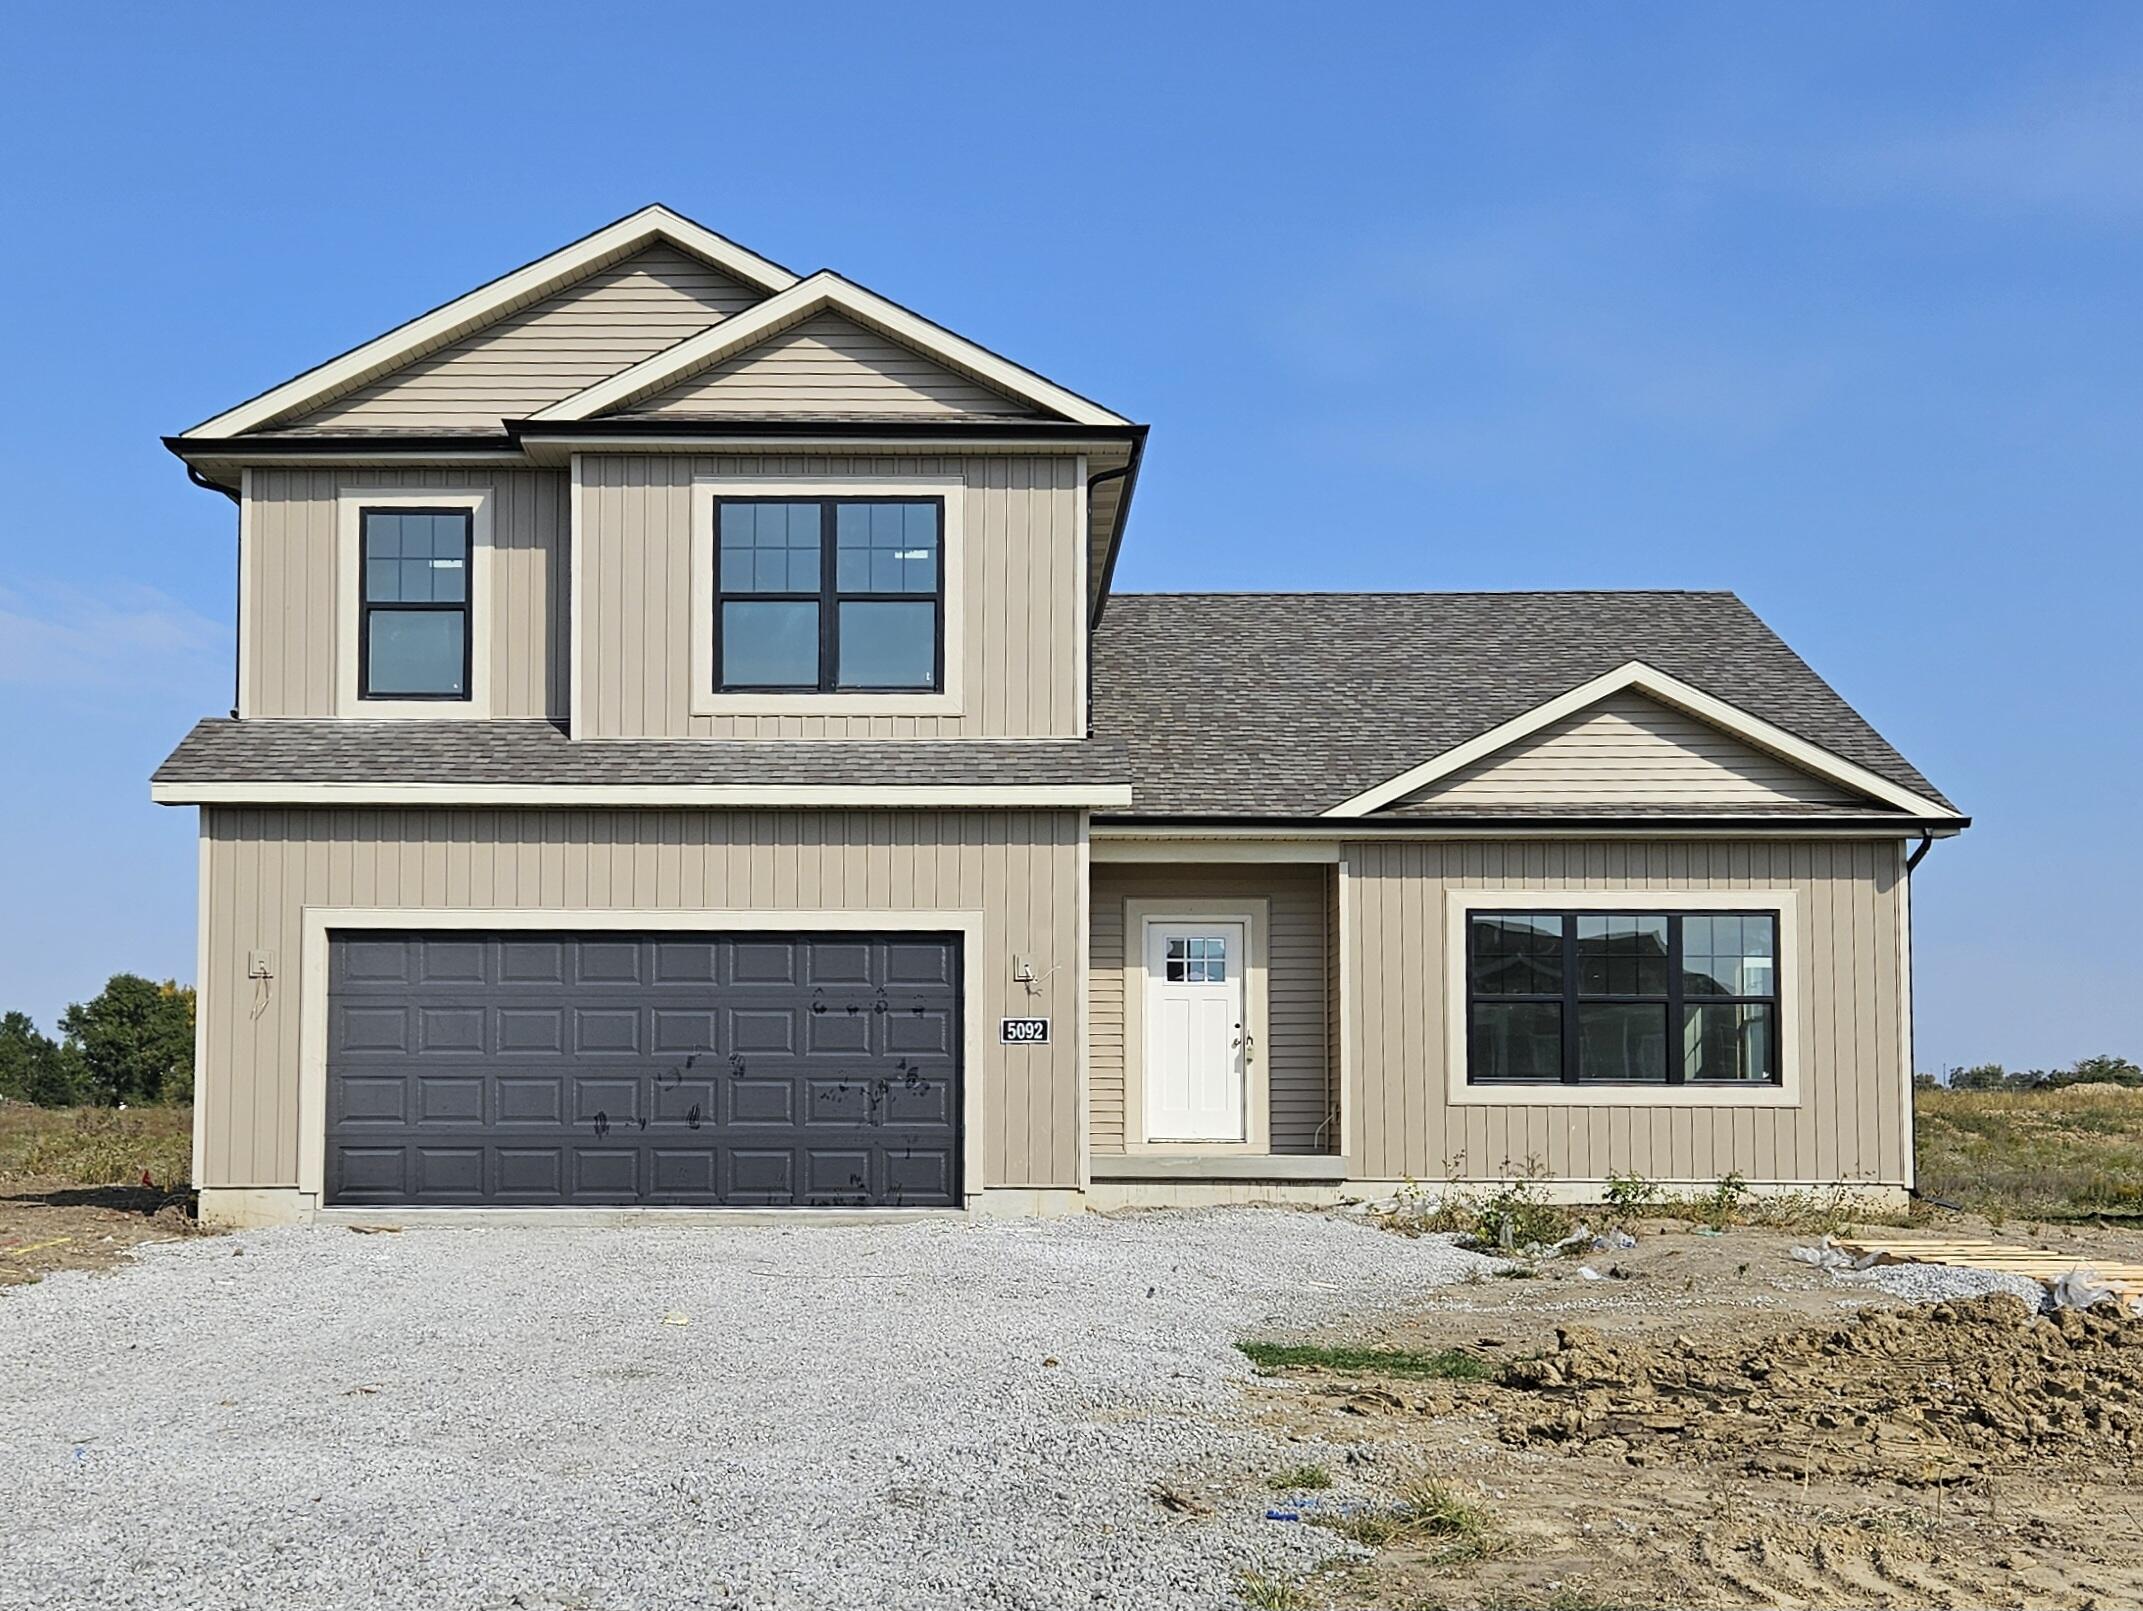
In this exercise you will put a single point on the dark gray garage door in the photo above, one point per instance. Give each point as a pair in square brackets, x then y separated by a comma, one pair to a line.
[643, 1069]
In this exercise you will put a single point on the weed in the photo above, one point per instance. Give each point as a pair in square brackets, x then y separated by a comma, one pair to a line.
[1429, 1514]
[2018, 1156]
[1299, 1479]
[1450, 1364]
[1630, 1194]
[99, 1146]
[1518, 1214]
[1262, 1593]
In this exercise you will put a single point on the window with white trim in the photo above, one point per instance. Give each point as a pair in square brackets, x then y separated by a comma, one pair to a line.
[829, 595]
[1622, 998]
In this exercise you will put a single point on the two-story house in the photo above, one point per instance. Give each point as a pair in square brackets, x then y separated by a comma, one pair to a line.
[686, 753]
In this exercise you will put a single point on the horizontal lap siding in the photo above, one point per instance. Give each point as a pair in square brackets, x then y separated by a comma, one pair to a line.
[830, 365]
[1629, 749]
[1025, 637]
[1020, 869]
[1852, 1124]
[547, 351]
[299, 603]
[1297, 991]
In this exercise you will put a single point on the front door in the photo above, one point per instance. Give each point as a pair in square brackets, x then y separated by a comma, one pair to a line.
[1197, 1036]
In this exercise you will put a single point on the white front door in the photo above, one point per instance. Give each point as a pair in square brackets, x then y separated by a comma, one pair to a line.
[1197, 1036]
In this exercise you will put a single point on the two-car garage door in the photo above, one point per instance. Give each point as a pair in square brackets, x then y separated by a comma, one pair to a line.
[640, 1069]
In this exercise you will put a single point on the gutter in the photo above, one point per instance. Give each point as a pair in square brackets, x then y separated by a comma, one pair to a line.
[1116, 538]
[1330, 827]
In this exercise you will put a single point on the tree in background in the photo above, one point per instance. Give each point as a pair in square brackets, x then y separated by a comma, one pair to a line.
[1979, 1077]
[35, 1067]
[2104, 1067]
[134, 1041]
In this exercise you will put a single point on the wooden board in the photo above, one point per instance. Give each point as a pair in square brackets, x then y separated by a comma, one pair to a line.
[2045, 1264]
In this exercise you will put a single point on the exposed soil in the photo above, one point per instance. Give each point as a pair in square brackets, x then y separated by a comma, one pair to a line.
[48, 1225]
[1719, 1426]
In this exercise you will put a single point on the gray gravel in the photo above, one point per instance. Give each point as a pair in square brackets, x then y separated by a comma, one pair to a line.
[1937, 1283]
[858, 1417]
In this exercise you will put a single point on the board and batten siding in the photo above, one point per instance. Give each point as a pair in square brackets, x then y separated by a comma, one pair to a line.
[1024, 626]
[261, 868]
[829, 365]
[1631, 750]
[297, 603]
[1844, 987]
[545, 352]
[1298, 1039]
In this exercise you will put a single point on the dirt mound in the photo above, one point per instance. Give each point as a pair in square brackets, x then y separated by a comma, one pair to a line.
[1916, 1396]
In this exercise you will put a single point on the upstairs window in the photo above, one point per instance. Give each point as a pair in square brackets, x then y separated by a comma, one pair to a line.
[1635, 998]
[413, 639]
[829, 595]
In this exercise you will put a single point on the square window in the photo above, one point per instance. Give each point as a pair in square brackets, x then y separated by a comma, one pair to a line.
[770, 645]
[414, 653]
[888, 645]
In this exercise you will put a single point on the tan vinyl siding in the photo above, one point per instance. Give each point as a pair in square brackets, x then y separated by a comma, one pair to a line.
[829, 365]
[264, 867]
[1852, 1123]
[1629, 750]
[298, 604]
[545, 352]
[1297, 1001]
[1024, 632]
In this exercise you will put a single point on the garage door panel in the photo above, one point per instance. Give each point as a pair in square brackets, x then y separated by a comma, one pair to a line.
[447, 1100]
[615, 1069]
[531, 1175]
[444, 1031]
[530, 1099]
[607, 1029]
[522, 1030]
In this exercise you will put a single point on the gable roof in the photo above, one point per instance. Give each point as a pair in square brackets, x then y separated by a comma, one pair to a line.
[1289, 705]
[819, 292]
[451, 320]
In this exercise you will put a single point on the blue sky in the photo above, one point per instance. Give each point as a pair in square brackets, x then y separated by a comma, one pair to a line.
[1832, 305]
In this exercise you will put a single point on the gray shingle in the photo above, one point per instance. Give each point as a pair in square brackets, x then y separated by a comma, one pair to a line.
[1286, 704]
[535, 752]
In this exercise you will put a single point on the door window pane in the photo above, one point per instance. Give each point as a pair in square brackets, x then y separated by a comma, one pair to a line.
[1622, 1042]
[415, 652]
[1517, 954]
[770, 645]
[888, 645]
[1730, 1041]
[1622, 956]
[1517, 1040]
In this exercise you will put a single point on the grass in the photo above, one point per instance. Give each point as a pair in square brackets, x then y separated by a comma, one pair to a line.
[1262, 1593]
[2075, 1153]
[1448, 1364]
[1298, 1479]
[1429, 1515]
[97, 1146]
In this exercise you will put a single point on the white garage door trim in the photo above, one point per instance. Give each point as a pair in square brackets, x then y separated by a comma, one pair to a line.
[321, 921]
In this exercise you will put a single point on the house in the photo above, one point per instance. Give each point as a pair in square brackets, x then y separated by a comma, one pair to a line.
[687, 753]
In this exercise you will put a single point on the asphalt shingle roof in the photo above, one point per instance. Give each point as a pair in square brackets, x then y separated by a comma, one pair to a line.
[1286, 704]
[537, 752]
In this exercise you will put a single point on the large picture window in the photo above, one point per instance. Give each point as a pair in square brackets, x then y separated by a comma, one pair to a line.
[1622, 998]
[829, 595]
[413, 638]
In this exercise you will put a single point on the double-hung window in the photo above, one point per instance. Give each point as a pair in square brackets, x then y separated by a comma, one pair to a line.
[829, 595]
[1622, 998]
[413, 639]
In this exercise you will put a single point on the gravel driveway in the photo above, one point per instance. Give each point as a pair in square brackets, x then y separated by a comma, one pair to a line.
[850, 1417]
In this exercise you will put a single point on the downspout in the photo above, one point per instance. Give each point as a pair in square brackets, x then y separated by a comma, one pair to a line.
[1927, 843]
[1093, 607]
[238, 581]
[1912, 1093]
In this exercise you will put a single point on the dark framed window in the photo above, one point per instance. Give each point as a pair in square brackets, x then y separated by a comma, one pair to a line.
[1622, 998]
[413, 639]
[829, 595]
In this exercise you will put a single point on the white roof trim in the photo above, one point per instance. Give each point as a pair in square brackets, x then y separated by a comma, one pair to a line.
[525, 284]
[857, 795]
[825, 289]
[1655, 684]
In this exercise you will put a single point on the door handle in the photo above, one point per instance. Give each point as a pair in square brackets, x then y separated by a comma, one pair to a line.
[1248, 1042]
